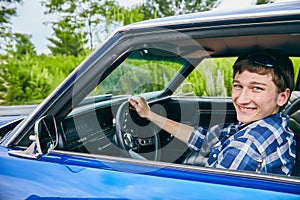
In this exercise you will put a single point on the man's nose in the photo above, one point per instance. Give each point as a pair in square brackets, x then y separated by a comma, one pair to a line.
[244, 96]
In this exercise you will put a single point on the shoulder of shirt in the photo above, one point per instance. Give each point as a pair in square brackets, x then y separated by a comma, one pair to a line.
[262, 128]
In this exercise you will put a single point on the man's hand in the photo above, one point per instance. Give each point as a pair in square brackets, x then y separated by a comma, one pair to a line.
[181, 131]
[140, 105]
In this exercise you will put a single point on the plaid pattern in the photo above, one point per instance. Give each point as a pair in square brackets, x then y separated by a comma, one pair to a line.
[266, 145]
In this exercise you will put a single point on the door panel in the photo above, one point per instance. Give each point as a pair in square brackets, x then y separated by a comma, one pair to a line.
[65, 176]
[197, 111]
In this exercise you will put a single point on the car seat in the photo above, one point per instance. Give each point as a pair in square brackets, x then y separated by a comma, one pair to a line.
[293, 110]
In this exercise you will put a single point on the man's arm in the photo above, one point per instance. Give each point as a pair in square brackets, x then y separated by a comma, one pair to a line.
[181, 131]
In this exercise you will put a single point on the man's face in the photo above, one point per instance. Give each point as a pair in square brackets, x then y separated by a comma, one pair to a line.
[255, 96]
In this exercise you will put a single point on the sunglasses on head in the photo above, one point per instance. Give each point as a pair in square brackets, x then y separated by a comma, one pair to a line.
[266, 60]
[263, 59]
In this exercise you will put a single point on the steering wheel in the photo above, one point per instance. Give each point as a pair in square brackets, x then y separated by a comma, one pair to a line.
[136, 134]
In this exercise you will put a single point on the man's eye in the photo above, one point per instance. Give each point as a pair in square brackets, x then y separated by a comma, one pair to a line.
[258, 89]
[237, 86]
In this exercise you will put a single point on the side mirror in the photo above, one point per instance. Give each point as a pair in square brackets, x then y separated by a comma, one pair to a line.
[46, 135]
[186, 89]
[43, 140]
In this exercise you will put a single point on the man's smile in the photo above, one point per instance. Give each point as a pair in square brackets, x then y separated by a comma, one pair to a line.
[242, 108]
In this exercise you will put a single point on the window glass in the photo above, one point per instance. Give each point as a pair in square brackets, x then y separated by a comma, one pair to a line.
[211, 78]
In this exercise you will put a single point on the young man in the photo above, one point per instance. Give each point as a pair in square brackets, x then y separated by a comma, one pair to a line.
[261, 141]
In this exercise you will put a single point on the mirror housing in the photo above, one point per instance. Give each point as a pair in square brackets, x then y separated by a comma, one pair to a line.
[45, 139]
[186, 89]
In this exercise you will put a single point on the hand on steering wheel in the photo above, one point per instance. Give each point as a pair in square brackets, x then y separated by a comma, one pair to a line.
[135, 133]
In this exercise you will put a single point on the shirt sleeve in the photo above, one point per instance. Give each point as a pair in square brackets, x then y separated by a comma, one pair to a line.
[197, 138]
[204, 138]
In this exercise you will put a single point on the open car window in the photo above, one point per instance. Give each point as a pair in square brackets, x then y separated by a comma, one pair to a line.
[211, 78]
[91, 126]
[141, 72]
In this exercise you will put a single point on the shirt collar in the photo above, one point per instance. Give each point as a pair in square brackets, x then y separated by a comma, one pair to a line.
[241, 125]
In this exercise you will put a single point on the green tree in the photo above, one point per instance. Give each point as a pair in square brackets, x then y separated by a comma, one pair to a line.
[23, 45]
[258, 2]
[162, 8]
[96, 19]
[67, 41]
[85, 17]
[7, 10]
[30, 79]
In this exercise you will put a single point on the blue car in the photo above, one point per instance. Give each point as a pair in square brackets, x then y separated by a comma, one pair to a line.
[84, 142]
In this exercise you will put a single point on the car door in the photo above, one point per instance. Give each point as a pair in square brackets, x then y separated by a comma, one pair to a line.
[69, 175]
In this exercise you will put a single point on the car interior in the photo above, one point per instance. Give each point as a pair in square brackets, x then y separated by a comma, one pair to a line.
[86, 130]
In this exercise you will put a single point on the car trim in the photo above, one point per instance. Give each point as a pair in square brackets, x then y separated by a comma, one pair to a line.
[202, 18]
[157, 165]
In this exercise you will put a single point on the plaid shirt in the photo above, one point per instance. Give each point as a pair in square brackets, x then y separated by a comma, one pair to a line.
[266, 145]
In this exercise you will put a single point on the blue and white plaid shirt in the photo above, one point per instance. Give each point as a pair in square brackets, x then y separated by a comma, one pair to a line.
[266, 145]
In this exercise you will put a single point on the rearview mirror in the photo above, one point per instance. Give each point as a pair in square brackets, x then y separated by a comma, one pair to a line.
[45, 131]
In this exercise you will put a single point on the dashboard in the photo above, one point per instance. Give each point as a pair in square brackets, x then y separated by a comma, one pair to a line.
[91, 128]
[91, 131]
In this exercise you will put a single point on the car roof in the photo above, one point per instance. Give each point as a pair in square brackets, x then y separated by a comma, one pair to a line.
[259, 11]
[262, 34]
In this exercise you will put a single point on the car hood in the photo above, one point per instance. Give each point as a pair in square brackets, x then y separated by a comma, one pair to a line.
[7, 119]
[13, 113]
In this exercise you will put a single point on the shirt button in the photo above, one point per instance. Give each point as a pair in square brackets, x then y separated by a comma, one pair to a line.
[214, 155]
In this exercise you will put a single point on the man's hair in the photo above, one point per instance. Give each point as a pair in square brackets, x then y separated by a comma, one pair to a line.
[274, 62]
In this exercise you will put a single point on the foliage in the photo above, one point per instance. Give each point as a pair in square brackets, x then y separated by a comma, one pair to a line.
[93, 20]
[7, 10]
[84, 18]
[162, 8]
[23, 45]
[68, 42]
[296, 64]
[30, 79]
[136, 76]
[258, 2]
[212, 77]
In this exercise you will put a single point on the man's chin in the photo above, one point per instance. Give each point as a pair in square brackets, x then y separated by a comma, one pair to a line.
[245, 118]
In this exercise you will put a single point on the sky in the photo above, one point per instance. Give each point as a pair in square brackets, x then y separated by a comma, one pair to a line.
[31, 18]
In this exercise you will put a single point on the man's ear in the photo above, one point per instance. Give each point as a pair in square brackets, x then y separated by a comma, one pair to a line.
[283, 97]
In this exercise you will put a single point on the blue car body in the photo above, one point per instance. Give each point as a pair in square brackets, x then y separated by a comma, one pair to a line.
[11, 113]
[71, 177]
[58, 174]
